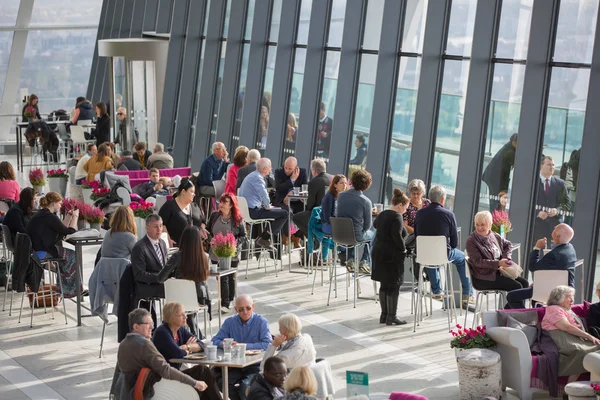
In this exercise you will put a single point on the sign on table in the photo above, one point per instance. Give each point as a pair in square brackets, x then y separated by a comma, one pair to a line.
[357, 383]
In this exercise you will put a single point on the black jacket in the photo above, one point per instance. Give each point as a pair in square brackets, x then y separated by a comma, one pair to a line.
[260, 389]
[46, 230]
[102, 131]
[16, 220]
[127, 302]
[147, 155]
[130, 164]
[562, 257]
[435, 220]
[317, 187]
[284, 185]
[389, 249]
[146, 266]
[239, 232]
[497, 173]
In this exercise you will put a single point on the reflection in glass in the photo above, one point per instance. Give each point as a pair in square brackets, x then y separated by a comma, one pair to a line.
[295, 99]
[249, 19]
[217, 102]
[336, 26]
[226, 23]
[513, 34]
[575, 31]
[275, 21]
[235, 140]
[265, 106]
[304, 22]
[5, 46]
[373, 20]
[327, 105]
[460, 29]
[52, 12]
[414, 26]
[122, 115]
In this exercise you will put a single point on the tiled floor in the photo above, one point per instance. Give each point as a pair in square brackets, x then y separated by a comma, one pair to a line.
[55, 361]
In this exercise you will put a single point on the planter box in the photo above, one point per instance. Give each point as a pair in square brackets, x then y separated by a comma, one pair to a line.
[87, 196]
[58, 185]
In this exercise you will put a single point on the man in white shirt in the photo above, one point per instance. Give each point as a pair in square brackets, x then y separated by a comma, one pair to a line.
[80, 173]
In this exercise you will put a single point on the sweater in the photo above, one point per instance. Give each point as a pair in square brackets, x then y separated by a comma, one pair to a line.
[10, 189]
[46, 230]
[16, 220]
[167, 346]
[95, 165]
[160, 160]
[295, 352]
[118, 244]
[355, 205]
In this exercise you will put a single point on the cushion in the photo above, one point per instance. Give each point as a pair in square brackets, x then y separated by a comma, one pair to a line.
[112, 179]
[529, 330]
[527, 317]
[581, 309]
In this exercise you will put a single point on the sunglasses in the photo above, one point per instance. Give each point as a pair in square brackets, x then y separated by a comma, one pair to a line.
[120, 114]
[241, 309]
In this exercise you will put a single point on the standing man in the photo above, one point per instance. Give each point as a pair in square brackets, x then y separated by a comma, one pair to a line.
[324, 133]
[552, 198]
[317, 187]
[497, 174]
[212, 169]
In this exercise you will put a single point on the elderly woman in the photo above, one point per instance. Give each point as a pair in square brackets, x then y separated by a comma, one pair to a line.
[301, 384]
[291, 345]
[567, 331]
[488, 254]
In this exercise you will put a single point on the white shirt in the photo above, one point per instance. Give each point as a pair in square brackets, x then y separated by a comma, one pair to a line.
[543, 178]
[79, 171]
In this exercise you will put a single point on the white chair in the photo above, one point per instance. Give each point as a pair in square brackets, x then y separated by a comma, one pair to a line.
[167, 389]
[546, 280]
[324, 376]
[124, 195]
[160, 201]
[184, 291]
[78, 137]
[84, 122]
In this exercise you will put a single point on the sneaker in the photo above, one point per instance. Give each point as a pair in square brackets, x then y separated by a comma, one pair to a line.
[342, 258]
[437, 296]
[468, 300]
[350, 266]
[264, 243]
[225, 310]
[364, 267]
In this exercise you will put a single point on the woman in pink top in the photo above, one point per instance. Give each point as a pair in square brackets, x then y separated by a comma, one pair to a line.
[566, 330]
[239, 161]
[9, 187]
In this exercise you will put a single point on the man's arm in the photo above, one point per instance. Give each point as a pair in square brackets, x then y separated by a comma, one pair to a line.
[206, 173]
[224, 332]
[453, 233]
[368, 216]
[547, 262]
[283, 184]
[159, 365]
[264, 337]
[138, 264]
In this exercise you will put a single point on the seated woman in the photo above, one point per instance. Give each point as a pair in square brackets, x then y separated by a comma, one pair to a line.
[98, 163]
[567, 331]
[291, 345]
[416, 190]
[17, 217]
[181, 212]
[46, 231]
[227, 219]
[338, 184]
[189, 262]
[239, 161]
[488, 254]
[301, 384]
[9, 187]
[173, 340]
[121, 237]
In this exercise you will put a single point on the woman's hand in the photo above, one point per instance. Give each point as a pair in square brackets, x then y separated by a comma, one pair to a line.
[278, 341]
[503, 263]
[192, 340]
[201, 386]
[593, 339]
[203, 233]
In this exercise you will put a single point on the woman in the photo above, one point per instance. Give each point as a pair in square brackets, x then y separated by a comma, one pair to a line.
[361, 151]
[9, 187]
[46, 231]
[17, 217]
[338, 184]
[239, 161]
[102, 130]
[228, 218]
[488, 254]
[173, 340]
[388, 257]
[83, 111]
[121, 237]
[191, 263]
[416, 190]
[31, 102]
[300, 384]
[141, 154]
[291, 345]
[263, 127]
[566, 330]
[500, 212]
[181, 212]
[112, 153]
[292, 128]
[98, 163]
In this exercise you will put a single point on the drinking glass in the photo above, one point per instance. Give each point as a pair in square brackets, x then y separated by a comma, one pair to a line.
[304, 188]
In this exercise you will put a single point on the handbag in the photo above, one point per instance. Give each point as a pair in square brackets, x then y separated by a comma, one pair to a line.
[512, 272]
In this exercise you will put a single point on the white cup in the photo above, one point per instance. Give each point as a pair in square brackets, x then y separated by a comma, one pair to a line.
[379, 207]
[211, 352]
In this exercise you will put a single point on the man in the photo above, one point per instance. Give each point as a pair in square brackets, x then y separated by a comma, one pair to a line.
[128, 163]
[253, 157]
[323, 133]
[435, 220]
[152, 187]
[552, 197]
[361, 151]
[212, 169]
[269, 384]
[141, 154]
[317, 187]
[286, 179]
[254, 190]
[497, 174]
[80, 173]
[562, 257]
[137, 351]
[160, 159]
[251, 329]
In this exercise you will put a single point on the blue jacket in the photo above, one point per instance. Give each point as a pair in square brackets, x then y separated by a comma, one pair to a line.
[327, 208]
[435, 220]
[212, 169]
[315, 232]
[254, 332]
[86, 111]
[167, 346]
[561, 257]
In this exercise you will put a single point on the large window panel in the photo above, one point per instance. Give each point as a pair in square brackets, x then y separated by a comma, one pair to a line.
[5, 46]
[327, 105]
[64, 12]
[275, 21]
[460, 29]
[249, 19]
[336, 26]
[513, 34]
[414, 26]
[373, 21]
[265, 106]
[235, 141]
[295, 99]
[575, 31]
[217, 101]
[8, 12]
[304, 22]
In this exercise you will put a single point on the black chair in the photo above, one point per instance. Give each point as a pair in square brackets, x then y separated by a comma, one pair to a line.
[8, 253]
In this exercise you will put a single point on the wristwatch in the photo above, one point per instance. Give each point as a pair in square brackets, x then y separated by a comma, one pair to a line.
[188, 347]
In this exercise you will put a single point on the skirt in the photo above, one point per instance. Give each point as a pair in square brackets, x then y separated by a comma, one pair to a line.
[572, 350]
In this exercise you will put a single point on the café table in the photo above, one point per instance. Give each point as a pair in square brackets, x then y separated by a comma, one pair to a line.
[303, 197]
[218, 275]
[225, 365]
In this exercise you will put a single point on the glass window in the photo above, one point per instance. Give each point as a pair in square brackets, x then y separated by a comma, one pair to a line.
[235, 141]
[10, 9]
[217, 103]
[336, 26]
[265, 106]
[513, 34]
[275, 21]
[304, 22]
[373, 21]
[62, 12]
[414, 26]
[249, 19]
[5, 46]
[226, 23]
[327, 105]
[449, 129]
[295, 100]
[460, 29]
[208, 2]
[575, 31]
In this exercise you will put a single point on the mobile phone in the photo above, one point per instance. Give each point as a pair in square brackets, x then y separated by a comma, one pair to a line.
[509, 262]
[75, 208]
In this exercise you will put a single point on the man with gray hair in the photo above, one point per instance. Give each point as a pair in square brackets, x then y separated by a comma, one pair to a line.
[253, 157]
[317, 187]
[212, 169]
[160, 159]
[435, 220]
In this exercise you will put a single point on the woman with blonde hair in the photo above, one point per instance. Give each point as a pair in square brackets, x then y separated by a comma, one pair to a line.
[121, 237]
[291, 345]
[98, 163]
[301, 384]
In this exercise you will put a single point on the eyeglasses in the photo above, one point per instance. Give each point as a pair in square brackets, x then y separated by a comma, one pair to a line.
[241, 309]
[120, 114]
[147, 323]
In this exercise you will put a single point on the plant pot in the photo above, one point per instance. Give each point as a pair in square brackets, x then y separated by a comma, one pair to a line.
[38, 189]
[140, 223]
[87, 196]
[214, 268]
[95, 225]
[82, 224]
[58, 185]
[224, 263]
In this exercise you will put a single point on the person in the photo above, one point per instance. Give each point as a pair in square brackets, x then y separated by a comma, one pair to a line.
[361, 151]
[568, 332]
[32, 102]
[9, 187]
[416, 190]
[435, 220]
[338, 184]
[120, 239]
[489, 253]
[112, 153]
[244, 327]
[102, 130]
[323, 132]
[137, 351]
[243, 172]
[316, 191]
[500, 212]
[388, 257]
[552, 200]
[83, 111]
[562, 257]
[141, 154]
[269, 384]
[254, 190]
[190, 262]
[182, 211]
[122, 138]
[212, 169]
[286, 179]
[46, 231]
[18, 215]
[227, 219]
[98, 163]
[497, 174]
[355, 205]
[291, 345]
[263, 127]
[290, 137]
[128, 163]
[240, 160]
[160, 159]
[173, 340]
[301, 384]
[80, 172]
[151, 187]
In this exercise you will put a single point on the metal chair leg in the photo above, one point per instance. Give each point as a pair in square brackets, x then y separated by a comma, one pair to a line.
[21, 311]
[102, 338]
[62, 295]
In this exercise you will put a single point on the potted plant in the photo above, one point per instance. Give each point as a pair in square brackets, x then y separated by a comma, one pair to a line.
[87, 188]
[99, 193]
[36, 178]
[57, 181]
[94, 216]
[30, 113]
[224, 247]
[596, 387]
[500, 223]
[141, 211]
[471, 338]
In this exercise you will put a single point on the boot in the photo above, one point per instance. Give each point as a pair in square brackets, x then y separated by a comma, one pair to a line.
[384, 307]
[296, 241]
[284, 239]
[392, 306]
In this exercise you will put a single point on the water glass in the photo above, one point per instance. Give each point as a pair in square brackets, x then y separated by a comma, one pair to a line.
[379, 207]
[211, 352]
[241, 350]
[227, 345]
[304, 188]
[296, 191]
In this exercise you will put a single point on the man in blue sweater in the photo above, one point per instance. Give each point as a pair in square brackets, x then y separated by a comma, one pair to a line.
[212, 169]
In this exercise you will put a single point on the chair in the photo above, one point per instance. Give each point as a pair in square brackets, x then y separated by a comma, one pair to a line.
[4, 207]
[184, 291]
[78, 137]
[9, 249]
[124, 195]
[64, 139]
[478, 312]
[160, 201]
[546, 280]
[435, 257]
[219, 187]
[324, 377]
[84, 122]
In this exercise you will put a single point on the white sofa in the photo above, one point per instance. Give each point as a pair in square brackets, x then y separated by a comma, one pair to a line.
[591, 363]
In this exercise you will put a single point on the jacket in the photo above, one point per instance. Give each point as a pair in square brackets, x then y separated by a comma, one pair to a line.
[361, 155]
[127, 302]
[284, 184]
[328, 205]
[102, 131]
[497, 173]
[482, 263]
[389, 249]
[16, 220]
[562, 257]
[315, 232]
[146, 266]
[46, 230]
[129, 164]
[295, 352]
[86, 111]
[160, 160]
[25, 270]
[317, 187]
[260, 389]
[95, 165]
[212, 169]
[104, 285]
[435, 220]
[296, 395]
[144, 161]
[167, 346]
[145, 189]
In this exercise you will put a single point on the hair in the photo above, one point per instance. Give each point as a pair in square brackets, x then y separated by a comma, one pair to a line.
[546, 158]
[332, 189]
[111, 145]
[215, 145]
[50, 198]
[292, 324]
[399, 198]
[26, 199]
[301, 378]
[513, 137]
[292, 120]
[557, 295]
[243, 296]
[102, 151]
[194, 265]
[437, 194]
[483, 216]
[79, 100]
[361, 180]
[240, 156]
[169, 310]
[185, 184]
[89, 147]
[102, 107]
[416, 185]
[153, 170]
[500, 207]
[32, 97]
[122, 221]
[598, 286]
[361, 139]
[272, 362]
[122, 110]
[253, 155]
[137, 317]
[139, 146]
[318, 165]
[7, 172]
[236, 215]
[159, 147]
[152, 218]
[322, 106]
[262, 163]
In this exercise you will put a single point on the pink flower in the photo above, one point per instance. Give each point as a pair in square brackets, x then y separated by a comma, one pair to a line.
[464, 341]
[458, 326]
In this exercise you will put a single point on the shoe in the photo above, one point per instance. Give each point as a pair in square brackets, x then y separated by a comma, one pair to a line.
[225, 310]
[392, 307]
[342, 258]
[364, 267]
[437, 296]
[384, 310]
[350, 266]
[264, 243]
[85, 293]
[468, 300]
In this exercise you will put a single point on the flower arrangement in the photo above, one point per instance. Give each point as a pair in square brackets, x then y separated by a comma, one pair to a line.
[469, 338]
[142, 209]
[99, 193]
[30, 112]
[36, 177]
[57, 173]
[90, 185]
[499, 219]
[224, 246]
[91, 214]
[69, 204]
[596, 388]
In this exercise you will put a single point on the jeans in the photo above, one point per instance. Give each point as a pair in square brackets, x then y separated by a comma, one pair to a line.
[366, 250]
[457, 258]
